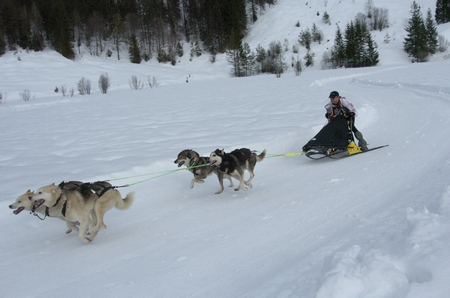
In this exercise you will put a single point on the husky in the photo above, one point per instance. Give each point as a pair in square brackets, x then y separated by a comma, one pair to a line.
[24, 202]
[200, 167]
[108, 197]
[235, 163]
[77, 205]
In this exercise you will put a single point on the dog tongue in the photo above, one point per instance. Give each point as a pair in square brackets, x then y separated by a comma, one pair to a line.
[38, 203]
[18, 210]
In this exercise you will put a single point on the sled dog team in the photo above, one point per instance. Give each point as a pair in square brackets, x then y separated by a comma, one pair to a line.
[83, 205]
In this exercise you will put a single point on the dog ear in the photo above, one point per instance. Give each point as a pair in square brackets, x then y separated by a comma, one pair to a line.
[189, 155]
[222, 152]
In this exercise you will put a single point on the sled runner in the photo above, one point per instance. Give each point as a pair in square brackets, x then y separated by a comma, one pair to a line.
[334, 140]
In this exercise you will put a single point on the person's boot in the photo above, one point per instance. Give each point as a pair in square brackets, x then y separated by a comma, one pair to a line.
[361, 142]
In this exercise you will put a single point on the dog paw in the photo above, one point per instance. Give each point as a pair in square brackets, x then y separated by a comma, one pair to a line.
[68, 231]
[218, 192]
[243, 188]
[88, 232]
[249, 185]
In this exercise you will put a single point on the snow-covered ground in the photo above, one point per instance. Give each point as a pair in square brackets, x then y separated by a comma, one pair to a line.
[372, 225]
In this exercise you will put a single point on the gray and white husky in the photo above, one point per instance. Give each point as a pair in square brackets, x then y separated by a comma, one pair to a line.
[200, 167]
[235, 163]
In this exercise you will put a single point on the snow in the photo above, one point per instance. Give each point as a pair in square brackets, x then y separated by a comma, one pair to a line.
[372, 225]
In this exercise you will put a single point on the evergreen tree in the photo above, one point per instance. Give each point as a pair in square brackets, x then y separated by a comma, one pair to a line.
[305, 38]
[309, 59]
[297, 66]
[316, 33]
[415, 43]
[442, 12]
[275, 58]
[371, 57]
[234, 59]
[260, 58]
[351, 46]
[326, 18]
[118, 31]
[2, 39]
[135, 53]
[247, 60]
[36, 28]
[338, 51]
[432, 34]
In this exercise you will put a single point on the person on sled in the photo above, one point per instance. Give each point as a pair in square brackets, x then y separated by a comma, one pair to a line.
[340, 105]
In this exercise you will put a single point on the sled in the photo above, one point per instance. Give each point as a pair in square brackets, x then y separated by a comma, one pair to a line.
[334, 140]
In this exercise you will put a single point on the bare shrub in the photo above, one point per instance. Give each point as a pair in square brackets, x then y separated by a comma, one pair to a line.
[84, 86]
[135, 83]
[443, 44]
[3, 97]
[63, 89]
[152, 82]
[71, 92]
[104, 82]
[26, 95]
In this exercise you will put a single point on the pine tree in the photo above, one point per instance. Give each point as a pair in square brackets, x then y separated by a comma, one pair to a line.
[415, 43]
[371, 55]
[233, 59]
[317, 34]
[326, 18]
[135, 53]
[297, 66]
[247, 60]
[309, 59]
[2, 39]
[260, 59]
[442, 12]
[305, 38]
[432, 34]
[37, 33]
[338, 51]
[118, 31]
[351, 46]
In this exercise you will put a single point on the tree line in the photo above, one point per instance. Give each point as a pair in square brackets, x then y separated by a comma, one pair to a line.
[151, 27]
[159, 28]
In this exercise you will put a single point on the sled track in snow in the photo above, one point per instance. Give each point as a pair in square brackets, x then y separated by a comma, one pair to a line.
[428, 88]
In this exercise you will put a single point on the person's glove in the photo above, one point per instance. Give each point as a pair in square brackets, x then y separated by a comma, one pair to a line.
[351, 115]
[327, 115]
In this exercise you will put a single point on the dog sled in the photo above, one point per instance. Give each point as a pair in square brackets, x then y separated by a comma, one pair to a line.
[334, 140]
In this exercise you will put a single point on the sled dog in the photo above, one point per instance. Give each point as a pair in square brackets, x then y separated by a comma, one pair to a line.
[200, 167]
[24, 202]
[108, 197]
[77, 205]
[235, 163]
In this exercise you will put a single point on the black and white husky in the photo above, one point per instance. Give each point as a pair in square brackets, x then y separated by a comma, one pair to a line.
[235, 163]
[199, 166]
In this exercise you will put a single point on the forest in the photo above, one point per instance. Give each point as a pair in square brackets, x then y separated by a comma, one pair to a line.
[148, 28]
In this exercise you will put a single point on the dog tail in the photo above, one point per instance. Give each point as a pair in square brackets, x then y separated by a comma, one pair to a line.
[261, 156]
[124, 204]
